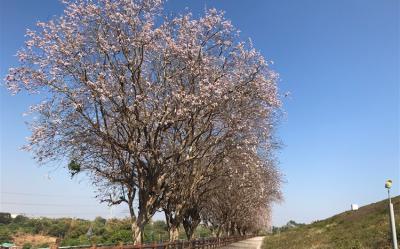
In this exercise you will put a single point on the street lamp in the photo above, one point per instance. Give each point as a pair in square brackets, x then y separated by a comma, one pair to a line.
[388, 185]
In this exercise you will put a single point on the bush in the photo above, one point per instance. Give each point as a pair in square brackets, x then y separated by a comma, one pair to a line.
[5, 236]
[5, 218]
[44, 245]
[81, 240]
[120, 236]
[27, 246]
[202, 232]
[20, 219]
[58, 230]
[100, 220]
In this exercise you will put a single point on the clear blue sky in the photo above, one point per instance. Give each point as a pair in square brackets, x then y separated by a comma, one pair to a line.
[339, 59]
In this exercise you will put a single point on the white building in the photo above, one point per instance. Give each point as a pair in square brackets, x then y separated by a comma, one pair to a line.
[354, 207]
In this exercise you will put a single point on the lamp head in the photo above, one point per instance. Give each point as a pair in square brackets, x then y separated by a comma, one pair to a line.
[388, 184]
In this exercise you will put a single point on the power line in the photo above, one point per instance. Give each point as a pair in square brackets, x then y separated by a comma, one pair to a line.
[48, 214]
[45, 195]
[46, 204]
[54, 195]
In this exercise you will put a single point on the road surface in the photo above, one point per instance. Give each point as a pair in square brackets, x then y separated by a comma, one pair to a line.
[253, 243]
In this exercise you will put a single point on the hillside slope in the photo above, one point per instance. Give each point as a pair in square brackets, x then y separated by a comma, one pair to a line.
[366, 228]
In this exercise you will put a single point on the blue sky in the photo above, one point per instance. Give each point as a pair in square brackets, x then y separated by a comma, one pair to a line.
[339, 59]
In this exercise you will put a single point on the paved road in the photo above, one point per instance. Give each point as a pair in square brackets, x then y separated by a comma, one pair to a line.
[253, 243]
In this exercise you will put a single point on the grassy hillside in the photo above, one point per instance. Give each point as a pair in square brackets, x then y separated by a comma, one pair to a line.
[366, 228]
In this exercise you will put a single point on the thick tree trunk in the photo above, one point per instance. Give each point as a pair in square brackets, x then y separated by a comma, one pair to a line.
[137, 223]
[232, 229]
[227, 229]
[138, 229]
[189, 234]
[137, 234]
[172, 225]
[219, 231]
[173, 233]
[191, 220]
[147, 205]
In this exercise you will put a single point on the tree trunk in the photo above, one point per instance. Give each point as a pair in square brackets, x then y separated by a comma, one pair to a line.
[227, 229]
[138, 229]
[232, 229]
[137, 234]
[213, 231]
[191, 219]
[137, 226]
[172, 225]
[173, 233]
[189, 234]
[219, 231]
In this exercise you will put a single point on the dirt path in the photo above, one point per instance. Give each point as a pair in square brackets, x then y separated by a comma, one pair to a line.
[253, 243]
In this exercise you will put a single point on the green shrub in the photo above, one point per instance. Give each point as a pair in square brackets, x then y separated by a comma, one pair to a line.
[27, 246]
[5, 236]
[20, 219]
[44, 245]
[120, 236]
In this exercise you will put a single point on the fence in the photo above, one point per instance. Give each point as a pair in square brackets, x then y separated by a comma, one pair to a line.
[206, 243]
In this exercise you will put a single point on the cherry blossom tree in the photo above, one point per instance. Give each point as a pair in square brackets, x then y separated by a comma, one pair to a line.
[139, 101]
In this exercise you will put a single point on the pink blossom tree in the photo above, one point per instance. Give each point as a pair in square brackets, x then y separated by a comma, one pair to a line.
[240, 200]
[134, 99]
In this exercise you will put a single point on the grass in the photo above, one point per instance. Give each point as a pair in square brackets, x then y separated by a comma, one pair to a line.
[366, 228]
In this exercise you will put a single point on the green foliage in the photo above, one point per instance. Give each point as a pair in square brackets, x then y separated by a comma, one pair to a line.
[366, 228]
[81, 240]
[202, 232]
[27, 246]
[5, 218]
[120, 236]
[44, 245]
[74, 167]
[73, 232]
[100, 220]
[290, 225]
[159, 231]
[58, 229]
[5, 235]
[20, 219]
[160, 225]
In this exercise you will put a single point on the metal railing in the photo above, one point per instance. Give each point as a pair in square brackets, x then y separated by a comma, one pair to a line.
[205, 243]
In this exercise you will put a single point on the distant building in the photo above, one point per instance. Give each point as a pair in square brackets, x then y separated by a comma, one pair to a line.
[354, 207]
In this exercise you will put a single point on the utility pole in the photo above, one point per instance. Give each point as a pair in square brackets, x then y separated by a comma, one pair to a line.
[388, 185]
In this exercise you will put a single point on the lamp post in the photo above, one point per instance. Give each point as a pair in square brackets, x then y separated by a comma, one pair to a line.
[388, 185]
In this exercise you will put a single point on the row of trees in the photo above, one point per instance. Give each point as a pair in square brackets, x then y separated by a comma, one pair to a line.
[174, 113]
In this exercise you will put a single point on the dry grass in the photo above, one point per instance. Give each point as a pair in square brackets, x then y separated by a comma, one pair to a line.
[33, 239]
